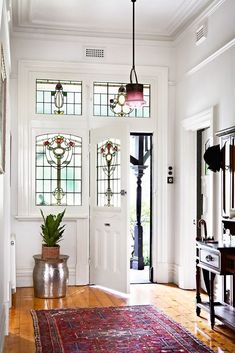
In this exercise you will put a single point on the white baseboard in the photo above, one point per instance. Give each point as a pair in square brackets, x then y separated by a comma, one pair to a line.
[186, 278]
[175, 273]
[2, 326]
[163, 273]
[24, 277]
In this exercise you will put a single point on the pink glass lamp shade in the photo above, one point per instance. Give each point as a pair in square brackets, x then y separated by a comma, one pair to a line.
[134, 95]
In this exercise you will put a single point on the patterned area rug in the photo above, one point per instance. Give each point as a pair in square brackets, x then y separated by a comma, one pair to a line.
[129, 329]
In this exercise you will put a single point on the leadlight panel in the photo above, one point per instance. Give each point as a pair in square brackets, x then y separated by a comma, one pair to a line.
[45, 97]
[108, 173]
[58, 170]
[104, 91]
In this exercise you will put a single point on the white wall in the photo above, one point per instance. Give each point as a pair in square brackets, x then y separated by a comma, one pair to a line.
[205, 78]
[192, 89]
[71, 49]
[67, 53]
[5, 228]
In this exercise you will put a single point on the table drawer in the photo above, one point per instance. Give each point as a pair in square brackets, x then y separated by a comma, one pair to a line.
[210, 259]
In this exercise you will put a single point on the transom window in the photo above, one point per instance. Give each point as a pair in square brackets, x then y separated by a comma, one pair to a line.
[108, 173]
[58, 170]
[58, 97]
[103, 92]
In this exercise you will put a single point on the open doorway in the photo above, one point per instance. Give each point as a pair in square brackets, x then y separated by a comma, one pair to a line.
[140, 224]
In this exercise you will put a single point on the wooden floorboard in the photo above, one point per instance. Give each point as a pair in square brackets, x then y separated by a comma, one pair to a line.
[176, 303]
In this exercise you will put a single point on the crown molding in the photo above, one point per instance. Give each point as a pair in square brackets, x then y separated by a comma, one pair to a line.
[199, 121]
[176, 26]
[94, 33]
[87, 41]
[211, 57]
[206, 13]
[180, 17]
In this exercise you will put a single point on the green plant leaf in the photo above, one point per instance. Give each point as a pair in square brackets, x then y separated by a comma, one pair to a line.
[52, 230]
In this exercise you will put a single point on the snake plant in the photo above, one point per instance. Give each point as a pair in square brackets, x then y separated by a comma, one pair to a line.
[52, 231]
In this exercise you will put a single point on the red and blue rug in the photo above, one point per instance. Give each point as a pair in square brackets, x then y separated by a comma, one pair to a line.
[128, 329]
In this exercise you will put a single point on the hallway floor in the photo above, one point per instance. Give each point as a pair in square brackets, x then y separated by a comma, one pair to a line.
[139, 276]
[177, 303]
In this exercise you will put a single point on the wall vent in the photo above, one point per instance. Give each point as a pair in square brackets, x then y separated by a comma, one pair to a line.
[94, 53]
[201, 33]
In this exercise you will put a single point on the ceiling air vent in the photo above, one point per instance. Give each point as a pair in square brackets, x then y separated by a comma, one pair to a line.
[94, 53]
[201, 34]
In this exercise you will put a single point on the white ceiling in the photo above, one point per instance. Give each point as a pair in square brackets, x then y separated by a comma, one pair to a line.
[155, 19]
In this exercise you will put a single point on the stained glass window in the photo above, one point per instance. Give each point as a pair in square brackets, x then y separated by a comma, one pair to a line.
[58, 97]
[58, 170]
[108, 173]
[104, 91]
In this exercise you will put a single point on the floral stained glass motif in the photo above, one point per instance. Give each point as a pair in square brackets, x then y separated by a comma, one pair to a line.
[108, 173]
[58, 170]
[58, 97]
[103, 92]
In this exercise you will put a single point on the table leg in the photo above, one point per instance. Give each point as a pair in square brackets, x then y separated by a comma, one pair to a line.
[211, 299]
[198, 288]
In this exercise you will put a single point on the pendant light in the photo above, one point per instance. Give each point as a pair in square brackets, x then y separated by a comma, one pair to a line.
[134, 91]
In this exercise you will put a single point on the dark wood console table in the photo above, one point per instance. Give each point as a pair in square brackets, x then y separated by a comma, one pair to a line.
[215, 259]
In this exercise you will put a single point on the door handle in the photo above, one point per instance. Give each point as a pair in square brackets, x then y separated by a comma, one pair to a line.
[209, 258]
[123, 192]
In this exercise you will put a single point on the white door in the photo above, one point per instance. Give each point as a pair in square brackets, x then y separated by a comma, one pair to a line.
[109, 167]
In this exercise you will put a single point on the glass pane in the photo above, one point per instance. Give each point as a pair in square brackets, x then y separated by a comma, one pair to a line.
[39, 108]
[47, 108]
[39, 159]
[103, 110]
[47, 185]
[77, 199]
[70, 173]
[77, 173]
[39, 96]
[97, 110]
[96, 99]
[104, 100]
[70, 200]
[70, 109]
[78, 110]
[47, 97]
[78, 98]
[70, 186]
[47, 172]
[70, 98]
[40, 173]
[39, 185]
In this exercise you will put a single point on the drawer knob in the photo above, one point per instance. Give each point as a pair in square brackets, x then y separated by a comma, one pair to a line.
[209, 258]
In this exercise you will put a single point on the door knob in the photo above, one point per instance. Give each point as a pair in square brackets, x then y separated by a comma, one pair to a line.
[123, 192]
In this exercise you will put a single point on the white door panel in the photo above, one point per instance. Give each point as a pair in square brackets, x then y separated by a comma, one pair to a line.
[108, 224]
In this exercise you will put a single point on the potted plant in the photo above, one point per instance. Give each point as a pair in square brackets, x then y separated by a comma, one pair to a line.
[52, 234]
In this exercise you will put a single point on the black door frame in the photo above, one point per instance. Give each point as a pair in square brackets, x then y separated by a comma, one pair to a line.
[151, 198]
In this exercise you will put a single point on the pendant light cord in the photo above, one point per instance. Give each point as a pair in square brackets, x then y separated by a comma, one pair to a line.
[133, 45]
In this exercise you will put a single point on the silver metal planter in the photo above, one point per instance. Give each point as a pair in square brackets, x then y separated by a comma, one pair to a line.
[50, 277]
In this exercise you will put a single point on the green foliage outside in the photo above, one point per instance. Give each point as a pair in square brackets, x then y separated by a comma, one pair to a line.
[52, 231]
[145, 221]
